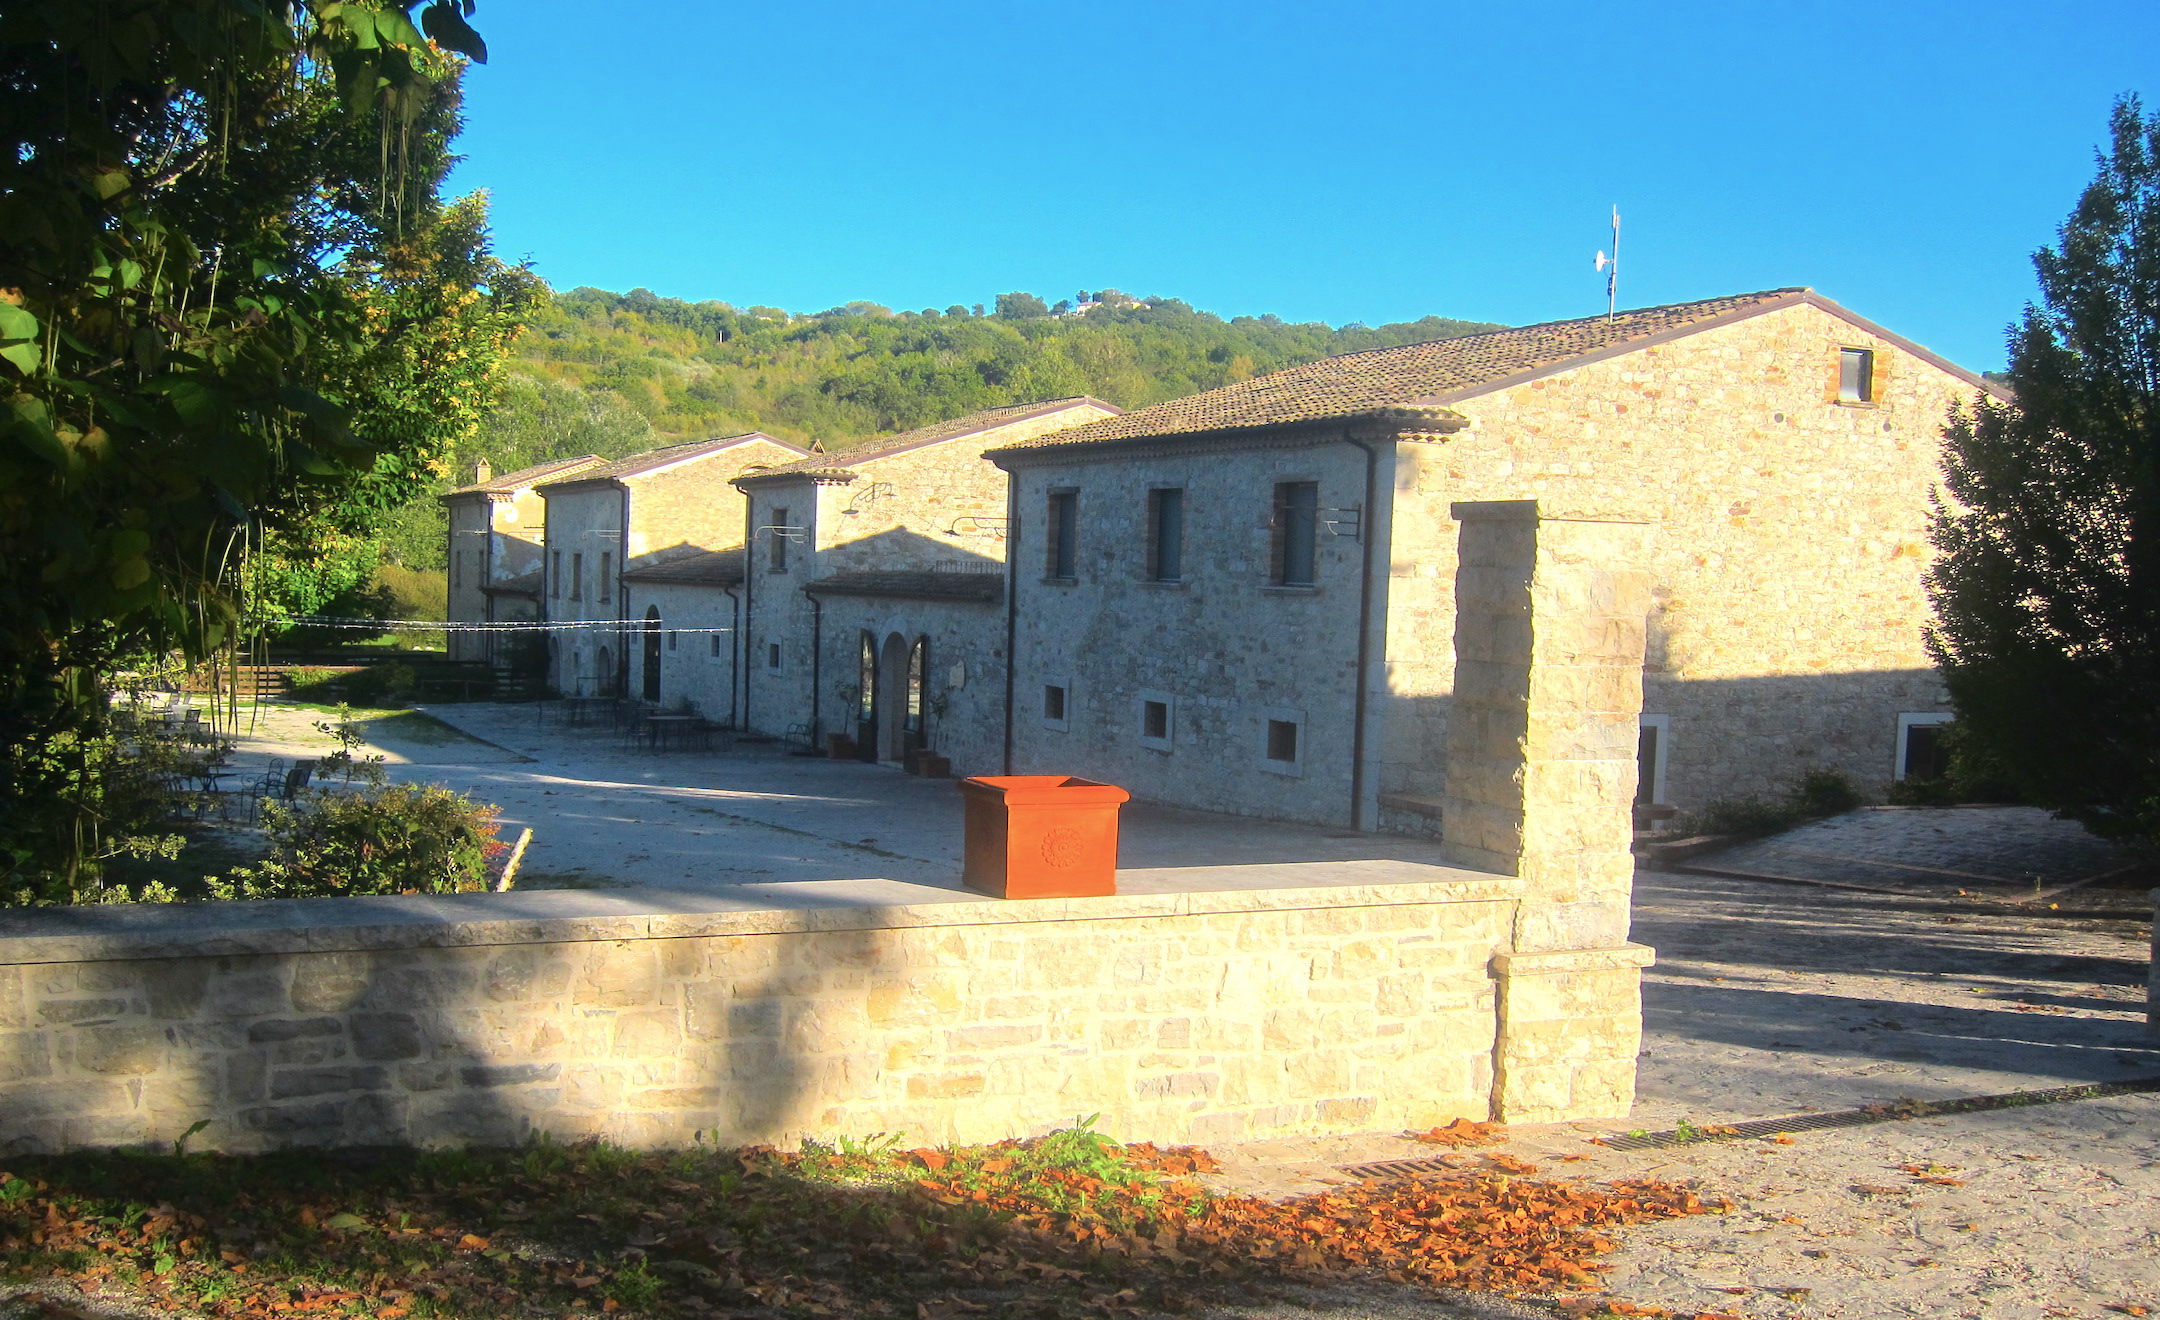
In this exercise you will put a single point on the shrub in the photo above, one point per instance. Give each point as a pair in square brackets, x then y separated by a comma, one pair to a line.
[1815, 794]
[83, 800]
[379, 839]
[377, 684]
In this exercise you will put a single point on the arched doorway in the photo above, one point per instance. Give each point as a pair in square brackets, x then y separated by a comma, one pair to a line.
[892, 697]
[652, 653]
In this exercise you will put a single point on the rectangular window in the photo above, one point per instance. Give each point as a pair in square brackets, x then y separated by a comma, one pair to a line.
[457, 569]
[607, 576]
[1053, 702]
[1064, 540]
[555, 577]
[1282, 741]
[1653, 752]
[779, 542]
[716, 646]
[1921, 752]
[577, 577]
[1158, 719]
[672, 634]
[1297, 528]
[1856, 375]
[772, 656]
[1166, 535]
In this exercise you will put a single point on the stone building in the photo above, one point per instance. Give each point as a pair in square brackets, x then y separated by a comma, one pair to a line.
[1243, 600]
[493, 556]
[873, 579]
[636, 512]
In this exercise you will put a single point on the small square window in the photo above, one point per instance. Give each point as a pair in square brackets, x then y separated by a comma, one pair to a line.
[1053, 702]
[1155, 720]
[1856, 375]
[1282, 740]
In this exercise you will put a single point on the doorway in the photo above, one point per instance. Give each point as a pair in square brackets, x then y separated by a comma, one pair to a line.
[652, 653]
[892, 702]
[866, 701]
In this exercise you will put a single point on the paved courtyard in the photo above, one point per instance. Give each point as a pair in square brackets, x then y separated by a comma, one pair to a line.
[1768, 1000]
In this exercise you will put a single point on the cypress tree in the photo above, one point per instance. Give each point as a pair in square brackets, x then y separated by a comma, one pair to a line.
[2047, 584]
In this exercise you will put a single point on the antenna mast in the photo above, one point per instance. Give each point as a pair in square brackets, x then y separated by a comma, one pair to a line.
[1611, 266]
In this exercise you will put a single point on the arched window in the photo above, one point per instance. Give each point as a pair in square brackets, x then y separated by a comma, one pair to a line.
[866, 703]
[918, 672]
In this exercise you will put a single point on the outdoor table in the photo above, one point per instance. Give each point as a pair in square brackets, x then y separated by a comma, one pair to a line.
[580, 709]
[660, 728]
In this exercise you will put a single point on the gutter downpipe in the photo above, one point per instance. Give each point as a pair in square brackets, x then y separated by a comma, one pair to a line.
[817, 657]
[736, 621]
[1364, 636]
[622, 597]
[1012, 605]
[749, 601]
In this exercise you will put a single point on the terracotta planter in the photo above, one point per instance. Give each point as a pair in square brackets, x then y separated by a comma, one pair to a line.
[1041, 836]
[840, 747]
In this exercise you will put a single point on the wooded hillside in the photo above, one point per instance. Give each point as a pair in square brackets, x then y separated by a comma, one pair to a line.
[611, 374]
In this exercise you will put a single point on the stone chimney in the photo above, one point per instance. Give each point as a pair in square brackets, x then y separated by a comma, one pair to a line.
[483, 472]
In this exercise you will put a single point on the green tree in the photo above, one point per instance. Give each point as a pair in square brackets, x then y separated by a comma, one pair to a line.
[2047, 588]
[1021, 306]
[234, 313]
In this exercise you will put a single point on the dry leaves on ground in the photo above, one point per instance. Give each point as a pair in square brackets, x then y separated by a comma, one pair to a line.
[1067, 1225]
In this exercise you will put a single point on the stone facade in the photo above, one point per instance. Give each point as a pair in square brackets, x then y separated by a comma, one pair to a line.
[924, 502]
[492, 561]
[1788, 610]
[635, 511]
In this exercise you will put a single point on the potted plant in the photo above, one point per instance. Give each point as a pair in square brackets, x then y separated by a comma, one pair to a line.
[1041, 836]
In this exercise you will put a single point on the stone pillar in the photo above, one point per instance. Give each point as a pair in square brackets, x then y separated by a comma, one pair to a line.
[1550, 613]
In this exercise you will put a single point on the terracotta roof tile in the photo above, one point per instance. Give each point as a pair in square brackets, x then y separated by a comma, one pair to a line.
[705, 568]
[837, 465]
[1356, 383]
[982, 587]
[651, 459]
[523, 477]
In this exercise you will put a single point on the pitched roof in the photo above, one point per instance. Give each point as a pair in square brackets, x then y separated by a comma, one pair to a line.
[705, 568]
[524, 584]
[836, 466]
[654, 459]
[1435, 372]
[977, 587]
[523, 477]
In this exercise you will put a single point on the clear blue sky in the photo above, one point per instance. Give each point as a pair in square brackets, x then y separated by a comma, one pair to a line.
[1336, 160]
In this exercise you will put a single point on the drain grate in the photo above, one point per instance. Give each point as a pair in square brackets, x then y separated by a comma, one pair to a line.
[1399, 1168]
[1894, 1113]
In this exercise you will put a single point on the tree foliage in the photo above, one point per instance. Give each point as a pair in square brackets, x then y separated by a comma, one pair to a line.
[2047, 589]
[234, 316]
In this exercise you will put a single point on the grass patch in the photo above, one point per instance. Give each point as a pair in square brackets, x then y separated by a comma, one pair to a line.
[1066, 1225]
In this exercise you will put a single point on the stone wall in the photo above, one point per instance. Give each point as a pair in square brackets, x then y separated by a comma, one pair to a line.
[1228, 649]
[967, 670]
[758, 1016]
[698, 646]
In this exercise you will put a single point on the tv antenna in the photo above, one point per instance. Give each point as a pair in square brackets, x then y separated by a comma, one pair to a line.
[1611, 268]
